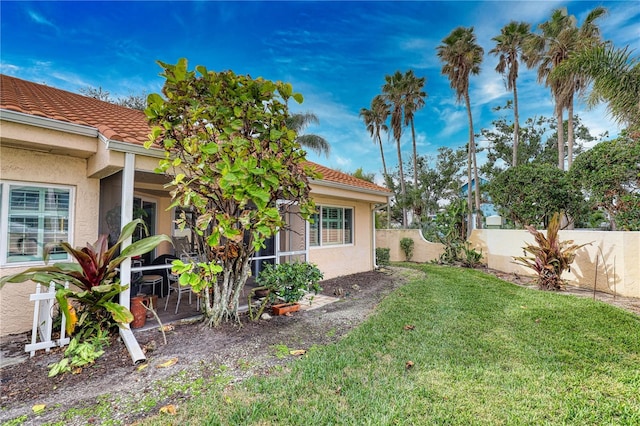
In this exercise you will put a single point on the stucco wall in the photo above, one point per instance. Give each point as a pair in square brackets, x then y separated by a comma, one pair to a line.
[612, 261]
[36, 167]
[423, 250]
[335, 261]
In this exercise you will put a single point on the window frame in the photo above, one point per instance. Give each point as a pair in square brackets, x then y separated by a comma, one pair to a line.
[319, 226]
[6, 187]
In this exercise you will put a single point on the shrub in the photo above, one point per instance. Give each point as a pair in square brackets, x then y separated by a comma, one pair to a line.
[406, 244]
[550, 257]
[383, 256]
[288, 282]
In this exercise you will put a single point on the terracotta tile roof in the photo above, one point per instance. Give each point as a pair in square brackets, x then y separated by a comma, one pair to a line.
[113, 121]
[330, 175]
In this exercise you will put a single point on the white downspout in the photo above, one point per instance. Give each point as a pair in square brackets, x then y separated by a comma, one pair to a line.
[126, 216]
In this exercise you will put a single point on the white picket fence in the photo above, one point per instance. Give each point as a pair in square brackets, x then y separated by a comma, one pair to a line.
[43, 320]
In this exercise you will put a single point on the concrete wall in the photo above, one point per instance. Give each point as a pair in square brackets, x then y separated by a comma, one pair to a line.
[423, 250]
[612, 261]
[335, 261]
[16, 311]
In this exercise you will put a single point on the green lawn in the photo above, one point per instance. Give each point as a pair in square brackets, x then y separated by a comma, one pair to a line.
[483, 352]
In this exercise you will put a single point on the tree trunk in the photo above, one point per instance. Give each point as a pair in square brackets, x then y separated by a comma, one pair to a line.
[516, 126]
[570, 134]
[415, 172]
[226, 294]
[559, 110]
[470, 154]
[384, 163]
[402, 186]
[472, 158]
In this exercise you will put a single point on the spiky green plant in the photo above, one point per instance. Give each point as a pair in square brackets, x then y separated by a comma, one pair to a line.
[550, 257]
[93, 278]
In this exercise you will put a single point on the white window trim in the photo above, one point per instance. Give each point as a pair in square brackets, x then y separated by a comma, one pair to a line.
[4, 220]
[329, 246]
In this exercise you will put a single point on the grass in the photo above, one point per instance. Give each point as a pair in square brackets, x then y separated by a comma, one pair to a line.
[482, 352]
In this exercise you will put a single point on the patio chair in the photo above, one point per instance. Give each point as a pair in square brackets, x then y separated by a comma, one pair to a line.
[175, 286]
[150, 280]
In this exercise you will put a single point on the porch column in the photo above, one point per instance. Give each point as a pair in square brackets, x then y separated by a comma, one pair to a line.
[126, 216]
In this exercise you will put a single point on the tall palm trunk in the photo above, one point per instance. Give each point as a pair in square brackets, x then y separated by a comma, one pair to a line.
[415, 157]
[384, 163]
[470, 164]
[516, 126]
[402, 186]
[570, 134]
[559, 110]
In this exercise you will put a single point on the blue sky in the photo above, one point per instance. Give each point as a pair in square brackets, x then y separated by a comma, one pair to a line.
[335, 53]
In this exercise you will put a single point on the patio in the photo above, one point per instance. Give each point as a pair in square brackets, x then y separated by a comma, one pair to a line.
[188, 312]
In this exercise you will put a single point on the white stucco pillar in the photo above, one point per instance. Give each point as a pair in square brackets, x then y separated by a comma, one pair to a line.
[126, 216]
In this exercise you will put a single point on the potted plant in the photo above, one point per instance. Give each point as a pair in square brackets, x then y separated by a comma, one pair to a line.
[89, 304]
[286, 283]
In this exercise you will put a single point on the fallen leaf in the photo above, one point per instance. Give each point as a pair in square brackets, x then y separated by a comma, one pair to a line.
[168, 363]
[168, 409]
[409, 327]
[537, 319]
[143, 366]
[523, 307]
[297, 352]
[38, 408]
[408, 365]
[166, 328]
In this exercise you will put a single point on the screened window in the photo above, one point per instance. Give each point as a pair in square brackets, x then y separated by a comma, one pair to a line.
[332, 226]
[34, 217]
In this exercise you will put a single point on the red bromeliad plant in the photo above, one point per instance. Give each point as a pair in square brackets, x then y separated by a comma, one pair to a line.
[94, 276]
[550, 257]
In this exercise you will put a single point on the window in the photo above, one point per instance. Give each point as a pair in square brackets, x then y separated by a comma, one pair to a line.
[33, 217]
[332, 226]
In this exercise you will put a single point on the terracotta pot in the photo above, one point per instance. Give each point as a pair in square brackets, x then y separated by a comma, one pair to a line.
[284, 308]
[139, 312]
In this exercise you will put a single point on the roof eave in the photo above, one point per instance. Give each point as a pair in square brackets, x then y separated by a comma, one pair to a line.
[132, 148]
[337, 185]
[47, 123]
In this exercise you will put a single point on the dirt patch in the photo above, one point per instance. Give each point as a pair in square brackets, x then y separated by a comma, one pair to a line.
[241, 351]
[201, 352]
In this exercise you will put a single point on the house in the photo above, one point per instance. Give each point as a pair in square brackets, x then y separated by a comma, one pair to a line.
[487, 208]
[73, 167]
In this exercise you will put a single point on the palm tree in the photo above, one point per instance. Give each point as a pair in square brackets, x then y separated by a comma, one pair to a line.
[461, 56]
[414, 99]
[376, 120]
[298, 122]
[559, 39]
[615, 76]
[509, 48]
[393, 93]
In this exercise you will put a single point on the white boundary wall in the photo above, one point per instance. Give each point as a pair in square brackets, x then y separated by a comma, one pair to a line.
[423, 250]
[613, 259]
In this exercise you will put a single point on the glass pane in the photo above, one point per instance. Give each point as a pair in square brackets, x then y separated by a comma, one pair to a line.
[314, 231]
[37, 217]
[24, 198]
[56, 200]
[348, 226]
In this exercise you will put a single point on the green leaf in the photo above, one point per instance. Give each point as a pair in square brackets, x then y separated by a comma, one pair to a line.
[119, 313]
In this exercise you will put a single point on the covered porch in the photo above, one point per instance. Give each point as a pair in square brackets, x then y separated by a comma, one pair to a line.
[135, 191]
